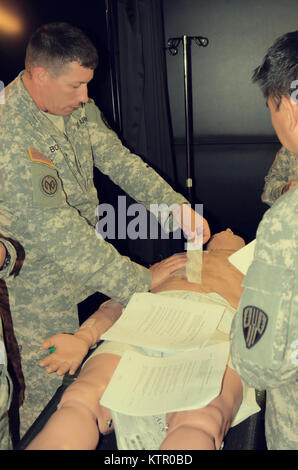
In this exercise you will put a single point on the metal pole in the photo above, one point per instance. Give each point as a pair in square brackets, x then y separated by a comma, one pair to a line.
[188, 112]
[173, 44]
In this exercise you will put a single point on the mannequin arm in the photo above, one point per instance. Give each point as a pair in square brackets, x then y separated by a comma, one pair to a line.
[70, 350]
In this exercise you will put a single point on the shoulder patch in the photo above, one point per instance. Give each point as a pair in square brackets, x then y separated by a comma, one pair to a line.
[37, 156]
[254, 323]
[49, 185]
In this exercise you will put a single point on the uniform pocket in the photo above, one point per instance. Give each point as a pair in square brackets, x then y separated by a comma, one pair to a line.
[47, 187]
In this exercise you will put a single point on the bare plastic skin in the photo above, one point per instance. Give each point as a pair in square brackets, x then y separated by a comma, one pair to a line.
[80, 419]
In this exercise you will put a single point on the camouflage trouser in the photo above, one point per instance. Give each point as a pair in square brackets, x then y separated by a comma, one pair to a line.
[34, 321]
[5, 398]
[282, 417]
[5, 439]
[40, 387]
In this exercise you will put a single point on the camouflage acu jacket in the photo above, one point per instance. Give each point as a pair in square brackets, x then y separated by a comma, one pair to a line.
[264, 334]
[48, 202]
[283, 170]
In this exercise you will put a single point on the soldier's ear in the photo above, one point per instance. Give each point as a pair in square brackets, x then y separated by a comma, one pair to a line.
[291, 108]
[40, 76]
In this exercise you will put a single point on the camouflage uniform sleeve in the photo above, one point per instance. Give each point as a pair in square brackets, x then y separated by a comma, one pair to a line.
[126, 169]
[264, 333]
[6, 271]
[277, 177]
[58, 233]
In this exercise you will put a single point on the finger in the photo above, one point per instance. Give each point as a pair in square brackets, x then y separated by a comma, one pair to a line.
[46, 361]
[47, 343]
[53, 366]
[177, 258]
[74, 368]
[63, 368]
[177, 264]
[169, 269]
[178, 261]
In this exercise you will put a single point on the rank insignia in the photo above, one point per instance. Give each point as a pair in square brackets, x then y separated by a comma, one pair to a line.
[254, 323]
[37, 156]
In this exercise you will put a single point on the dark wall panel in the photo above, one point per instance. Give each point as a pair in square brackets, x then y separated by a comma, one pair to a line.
[234, 141]
[229, 180]
[224, 100]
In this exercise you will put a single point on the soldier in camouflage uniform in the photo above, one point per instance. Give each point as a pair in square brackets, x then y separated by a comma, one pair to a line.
[282, 176]
[48, 201]
[264, 334]
[5, 396]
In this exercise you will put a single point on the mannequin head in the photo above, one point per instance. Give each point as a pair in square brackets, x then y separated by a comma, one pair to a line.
[225, 240]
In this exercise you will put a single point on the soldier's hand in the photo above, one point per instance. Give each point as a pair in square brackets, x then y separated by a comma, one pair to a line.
[68, 355]
[162, 270]
[194, 226]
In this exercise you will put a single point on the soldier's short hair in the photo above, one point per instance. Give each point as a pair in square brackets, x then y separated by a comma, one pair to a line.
[55, 45]
[279, 68]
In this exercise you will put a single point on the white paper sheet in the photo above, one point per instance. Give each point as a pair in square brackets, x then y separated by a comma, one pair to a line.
[150, 385]
[139, 432]
[243, 258]
[164, 323]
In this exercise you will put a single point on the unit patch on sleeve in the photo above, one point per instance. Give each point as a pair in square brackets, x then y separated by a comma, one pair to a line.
[254, 323]
[49, 185]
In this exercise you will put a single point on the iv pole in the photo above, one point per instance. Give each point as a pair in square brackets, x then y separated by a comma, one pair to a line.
[173, 44]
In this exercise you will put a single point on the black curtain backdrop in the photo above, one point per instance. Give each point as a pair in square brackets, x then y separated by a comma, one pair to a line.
[145, 125]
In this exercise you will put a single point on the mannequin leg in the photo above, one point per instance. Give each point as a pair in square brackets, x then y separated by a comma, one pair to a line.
[79, 419]
[205, 428]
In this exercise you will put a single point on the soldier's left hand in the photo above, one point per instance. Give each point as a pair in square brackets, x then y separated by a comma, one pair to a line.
[68, 355]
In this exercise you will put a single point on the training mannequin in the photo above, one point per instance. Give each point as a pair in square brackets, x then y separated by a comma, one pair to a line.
[80, 418]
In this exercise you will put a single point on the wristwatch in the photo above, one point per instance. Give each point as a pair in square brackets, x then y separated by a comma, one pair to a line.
[6, 261]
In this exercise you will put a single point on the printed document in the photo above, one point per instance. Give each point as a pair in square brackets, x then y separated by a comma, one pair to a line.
[163, 323]
[151, 385]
